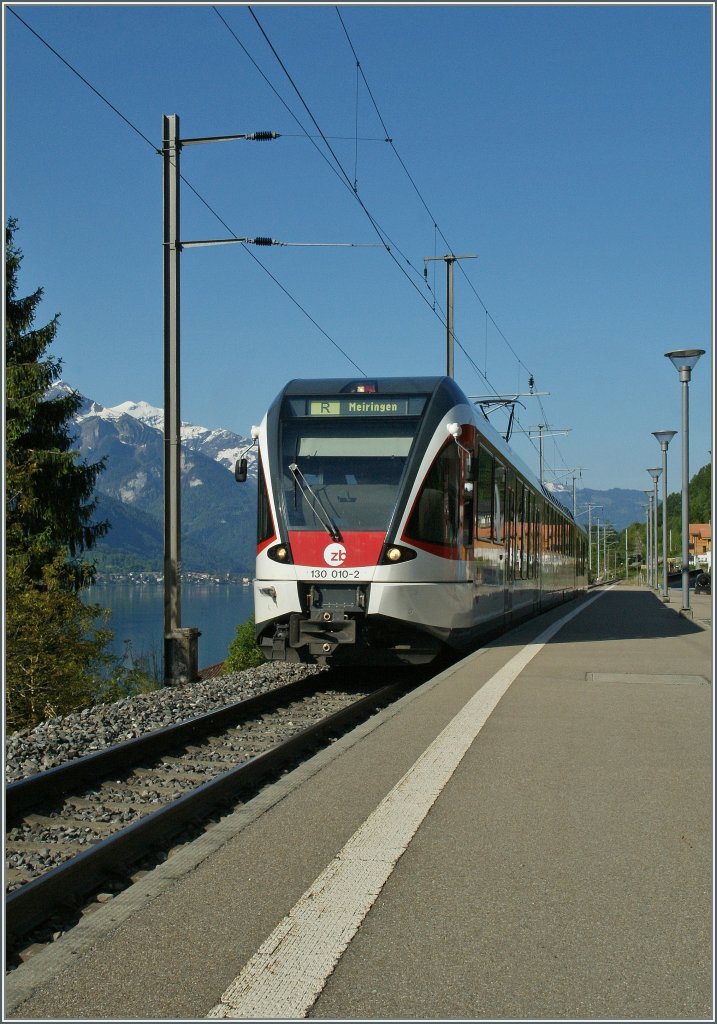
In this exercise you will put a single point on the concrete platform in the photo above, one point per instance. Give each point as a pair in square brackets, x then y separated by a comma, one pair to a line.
[527, 836]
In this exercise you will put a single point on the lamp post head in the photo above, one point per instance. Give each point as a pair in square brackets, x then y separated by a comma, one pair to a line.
[664, 437]
[655, 473]
[684, 360]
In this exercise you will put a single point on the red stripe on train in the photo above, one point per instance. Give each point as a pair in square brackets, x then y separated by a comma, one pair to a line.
[353, 550]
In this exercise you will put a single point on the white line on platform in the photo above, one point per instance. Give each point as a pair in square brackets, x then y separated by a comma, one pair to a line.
[289, 970]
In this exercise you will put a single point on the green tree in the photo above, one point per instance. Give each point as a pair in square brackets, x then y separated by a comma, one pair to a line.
[53, 646]
[49, 493]
[700, 499]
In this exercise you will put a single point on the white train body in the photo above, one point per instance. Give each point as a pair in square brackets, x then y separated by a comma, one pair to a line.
[395, 522]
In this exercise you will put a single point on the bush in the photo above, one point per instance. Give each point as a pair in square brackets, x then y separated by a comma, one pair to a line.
[55, 647]
[243, 650]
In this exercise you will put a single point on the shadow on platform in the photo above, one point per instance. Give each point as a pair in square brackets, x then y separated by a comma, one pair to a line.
[618, 614]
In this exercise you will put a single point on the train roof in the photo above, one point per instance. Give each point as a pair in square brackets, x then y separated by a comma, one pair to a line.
[382, 385]
[417, 386]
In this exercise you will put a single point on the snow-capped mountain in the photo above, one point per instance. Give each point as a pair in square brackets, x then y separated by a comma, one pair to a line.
[218, 515]
[220, 444]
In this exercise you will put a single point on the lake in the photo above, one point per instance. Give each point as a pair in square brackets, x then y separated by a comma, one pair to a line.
[138, 617]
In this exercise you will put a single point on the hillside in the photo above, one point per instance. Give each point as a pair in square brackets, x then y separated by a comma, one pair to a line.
[218, 515]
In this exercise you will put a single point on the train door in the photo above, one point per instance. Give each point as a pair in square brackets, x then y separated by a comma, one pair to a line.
[499, 524]
[539, 547]
[510, 541]
[469, 476]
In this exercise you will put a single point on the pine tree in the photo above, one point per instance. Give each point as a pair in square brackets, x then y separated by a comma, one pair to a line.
[48, 491]
[54, 646]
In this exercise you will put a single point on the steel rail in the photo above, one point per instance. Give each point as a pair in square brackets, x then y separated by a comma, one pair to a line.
[65, 886]
[51, 784]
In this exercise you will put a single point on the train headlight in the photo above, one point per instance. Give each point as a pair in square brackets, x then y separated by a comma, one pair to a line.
[279, 553]
[395, 554]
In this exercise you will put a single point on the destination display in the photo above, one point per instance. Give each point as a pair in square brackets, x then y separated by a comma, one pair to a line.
[357, 406]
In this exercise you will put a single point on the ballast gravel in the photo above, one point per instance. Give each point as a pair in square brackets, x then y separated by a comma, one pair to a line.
[62, 739]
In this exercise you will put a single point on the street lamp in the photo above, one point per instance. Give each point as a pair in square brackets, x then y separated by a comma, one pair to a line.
[647, 532]
[684, 361]
[650, 538]
[664, 437]
[654, 473]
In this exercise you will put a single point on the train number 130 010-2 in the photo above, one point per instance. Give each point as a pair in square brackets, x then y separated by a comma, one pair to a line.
[335, 574]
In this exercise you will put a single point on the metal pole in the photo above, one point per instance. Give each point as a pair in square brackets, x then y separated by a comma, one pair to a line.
[647, 542]
[172, 451]
[684, 360]
[651, 542]
[541, 454]
[598, 549]
[450, 334]
[449, 303]
[180, 645]
[665, 587]
[655, 534]
[685, 381]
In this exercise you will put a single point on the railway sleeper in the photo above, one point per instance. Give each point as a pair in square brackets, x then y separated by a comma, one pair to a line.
[173, 772]
[134, 793]
[220, 748]
[91, 825]
[68, 846]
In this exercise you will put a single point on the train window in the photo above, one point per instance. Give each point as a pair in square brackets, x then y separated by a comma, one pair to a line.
[468, 503]
[264, 527]
[510, 534]
[529, 533]
[435, 516]
[499, 502]
[469, 473]
[522, 538]
[518, 531]
[346, 472]
[484, 497]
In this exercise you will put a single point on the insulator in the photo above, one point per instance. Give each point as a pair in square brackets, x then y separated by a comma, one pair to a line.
[263, 241]
[264, 136]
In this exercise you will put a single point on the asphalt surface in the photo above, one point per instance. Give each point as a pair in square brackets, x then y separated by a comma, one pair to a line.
[563, 872]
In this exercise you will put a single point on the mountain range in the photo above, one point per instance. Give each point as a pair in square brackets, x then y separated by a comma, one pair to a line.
[218, 515]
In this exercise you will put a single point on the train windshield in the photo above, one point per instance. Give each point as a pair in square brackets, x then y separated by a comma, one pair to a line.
[343, 474]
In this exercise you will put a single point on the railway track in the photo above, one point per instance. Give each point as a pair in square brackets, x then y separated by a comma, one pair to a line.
[96, 824]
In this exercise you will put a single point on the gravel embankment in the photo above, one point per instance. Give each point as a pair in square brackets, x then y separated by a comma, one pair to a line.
[70, 736]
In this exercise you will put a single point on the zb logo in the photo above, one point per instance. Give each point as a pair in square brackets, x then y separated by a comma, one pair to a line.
[335, 555]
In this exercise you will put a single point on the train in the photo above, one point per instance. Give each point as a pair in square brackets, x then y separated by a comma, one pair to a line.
[395, 525]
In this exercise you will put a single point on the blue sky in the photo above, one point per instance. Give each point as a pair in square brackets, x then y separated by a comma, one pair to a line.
[569, 147]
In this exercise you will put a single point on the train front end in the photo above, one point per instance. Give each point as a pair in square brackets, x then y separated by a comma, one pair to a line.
[337, 469]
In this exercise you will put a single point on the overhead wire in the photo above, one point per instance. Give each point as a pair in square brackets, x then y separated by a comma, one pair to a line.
[83, 79]
[437, 229]
[387, 242]
[416, 188]
[190, 186]
[385, 239]
[344, 177]
[436, 226]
